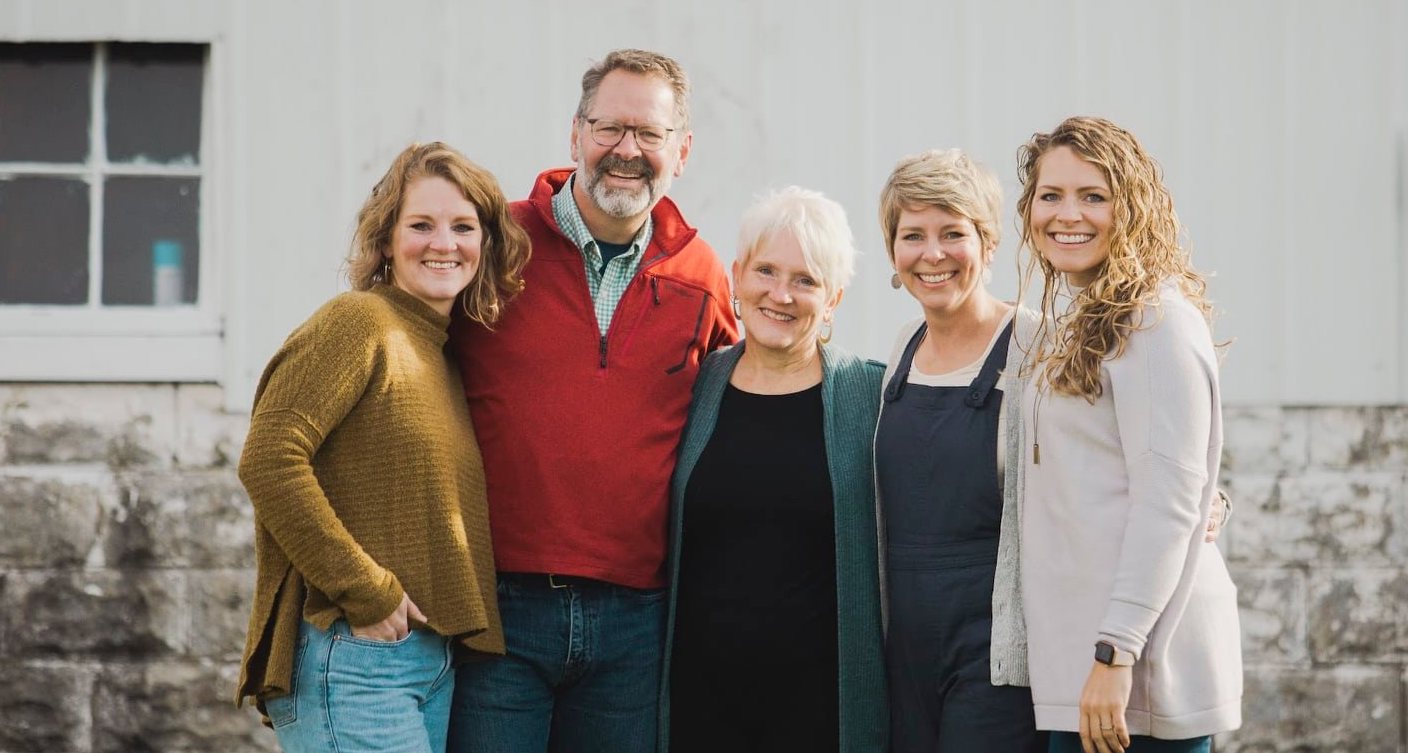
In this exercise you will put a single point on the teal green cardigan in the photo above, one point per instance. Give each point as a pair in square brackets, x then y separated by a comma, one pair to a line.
[850, 399]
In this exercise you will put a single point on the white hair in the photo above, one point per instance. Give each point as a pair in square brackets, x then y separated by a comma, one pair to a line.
[817, 223]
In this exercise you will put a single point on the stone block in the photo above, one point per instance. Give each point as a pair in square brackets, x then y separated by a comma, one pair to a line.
[1323, 517]
[208, 437]
[50, 522]
[219, 602]
[44, 708]
[1345, 709]
[1359, 615]
[1264, 440]
[120, 425]
[1362, 437]
[1272, 607]
[173, 706]
[104, 614]
[196, 519]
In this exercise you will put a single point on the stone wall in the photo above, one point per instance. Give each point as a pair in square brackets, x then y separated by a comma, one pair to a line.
[1318, 547]
[126, 552]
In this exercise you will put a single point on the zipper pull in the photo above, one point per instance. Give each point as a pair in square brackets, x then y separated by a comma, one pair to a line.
[603, 351]
[655, 289]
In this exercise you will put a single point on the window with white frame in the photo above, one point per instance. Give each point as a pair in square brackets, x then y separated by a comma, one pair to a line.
[103, 273]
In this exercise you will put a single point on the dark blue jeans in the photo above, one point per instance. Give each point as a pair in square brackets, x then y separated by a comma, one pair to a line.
[582, 673]
[1069, 742]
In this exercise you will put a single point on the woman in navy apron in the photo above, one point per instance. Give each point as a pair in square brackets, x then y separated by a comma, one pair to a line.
[955, 647]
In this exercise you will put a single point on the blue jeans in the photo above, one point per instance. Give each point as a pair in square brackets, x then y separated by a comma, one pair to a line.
[582, 672]
[353, 694]
[1069, 742]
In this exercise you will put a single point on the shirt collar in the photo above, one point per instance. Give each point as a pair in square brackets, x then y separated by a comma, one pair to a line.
[569, 219]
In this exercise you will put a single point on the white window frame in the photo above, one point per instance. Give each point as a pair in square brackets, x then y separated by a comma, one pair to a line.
[93, 342]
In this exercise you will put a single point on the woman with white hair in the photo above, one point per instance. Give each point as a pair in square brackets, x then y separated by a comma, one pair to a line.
[773, 512]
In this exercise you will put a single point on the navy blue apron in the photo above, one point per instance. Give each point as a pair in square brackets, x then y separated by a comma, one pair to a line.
[936, 465]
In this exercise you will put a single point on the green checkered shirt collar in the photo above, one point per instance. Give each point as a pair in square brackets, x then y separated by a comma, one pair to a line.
[569, 218]
[607, 285]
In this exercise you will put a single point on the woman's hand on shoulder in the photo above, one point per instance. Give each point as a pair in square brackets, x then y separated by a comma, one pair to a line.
[1218, 515]
[396, 626]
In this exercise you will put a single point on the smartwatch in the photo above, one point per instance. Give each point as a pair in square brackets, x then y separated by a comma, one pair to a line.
[1107, 654]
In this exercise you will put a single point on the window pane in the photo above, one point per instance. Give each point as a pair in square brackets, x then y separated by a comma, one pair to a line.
[153, 102]
[45, 102]
[43, 240]
[151, 248]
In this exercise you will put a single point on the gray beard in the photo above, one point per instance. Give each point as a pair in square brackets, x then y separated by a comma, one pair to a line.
[621, 203]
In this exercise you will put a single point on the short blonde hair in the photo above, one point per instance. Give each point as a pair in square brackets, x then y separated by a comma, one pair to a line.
[503, 251]
[950, 180]
[817, 223]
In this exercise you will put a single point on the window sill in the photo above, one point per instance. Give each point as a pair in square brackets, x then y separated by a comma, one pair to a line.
[163, 357]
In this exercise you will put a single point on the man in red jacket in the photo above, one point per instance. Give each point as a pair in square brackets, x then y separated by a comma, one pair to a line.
[579, 394]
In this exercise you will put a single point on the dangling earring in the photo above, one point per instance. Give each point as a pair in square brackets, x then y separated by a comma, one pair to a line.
[895, 281]
[826, 338]
[384, 273]
[737, 309]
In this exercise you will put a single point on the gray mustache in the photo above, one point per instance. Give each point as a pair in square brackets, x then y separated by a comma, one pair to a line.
[638, 166]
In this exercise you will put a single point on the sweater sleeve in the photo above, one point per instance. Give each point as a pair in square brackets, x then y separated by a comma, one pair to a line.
[314, 381]
[1163, 400]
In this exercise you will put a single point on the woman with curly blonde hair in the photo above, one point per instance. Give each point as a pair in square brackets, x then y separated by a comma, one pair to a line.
[1121, 453]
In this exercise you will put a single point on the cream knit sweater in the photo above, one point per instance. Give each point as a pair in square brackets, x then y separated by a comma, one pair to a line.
[1112, 535]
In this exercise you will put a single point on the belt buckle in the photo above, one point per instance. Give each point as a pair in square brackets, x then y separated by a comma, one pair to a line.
[554, 584]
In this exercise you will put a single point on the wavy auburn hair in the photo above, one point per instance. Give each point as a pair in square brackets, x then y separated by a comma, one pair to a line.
[503, 250]
[1144, 251]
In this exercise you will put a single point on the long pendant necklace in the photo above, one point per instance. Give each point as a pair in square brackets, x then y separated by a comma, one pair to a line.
[1036, 420]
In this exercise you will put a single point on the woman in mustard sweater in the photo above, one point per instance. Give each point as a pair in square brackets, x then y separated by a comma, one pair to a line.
[372, 532]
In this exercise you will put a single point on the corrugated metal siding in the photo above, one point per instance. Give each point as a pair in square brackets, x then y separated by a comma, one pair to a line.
[1280, 125]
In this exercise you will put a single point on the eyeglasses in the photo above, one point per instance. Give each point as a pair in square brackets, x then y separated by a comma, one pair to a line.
[610, 133]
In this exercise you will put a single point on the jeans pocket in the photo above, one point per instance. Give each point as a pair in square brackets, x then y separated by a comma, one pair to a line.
[283, 710]
[644, 595]
[374, 643]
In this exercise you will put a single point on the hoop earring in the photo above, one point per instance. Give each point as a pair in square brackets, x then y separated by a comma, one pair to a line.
[826, 338]
[895, 281]
[737, 309]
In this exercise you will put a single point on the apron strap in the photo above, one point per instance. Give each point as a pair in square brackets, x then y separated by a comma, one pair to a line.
[992, 369]
[895, 388]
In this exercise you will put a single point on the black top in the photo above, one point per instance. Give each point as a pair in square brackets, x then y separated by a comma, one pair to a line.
[758, 562]
[610, 251]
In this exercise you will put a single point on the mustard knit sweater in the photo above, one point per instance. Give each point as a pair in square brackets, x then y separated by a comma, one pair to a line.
[366, 482]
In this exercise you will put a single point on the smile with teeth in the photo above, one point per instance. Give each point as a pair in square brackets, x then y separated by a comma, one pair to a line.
[447, 264]
[1072, 237]
[776, 315]
[933, 278]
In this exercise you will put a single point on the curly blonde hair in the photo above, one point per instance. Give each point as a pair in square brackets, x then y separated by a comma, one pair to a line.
[1144, 246]
[504, 249]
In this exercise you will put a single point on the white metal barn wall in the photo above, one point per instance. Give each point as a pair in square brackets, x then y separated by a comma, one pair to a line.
[1280, 124]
